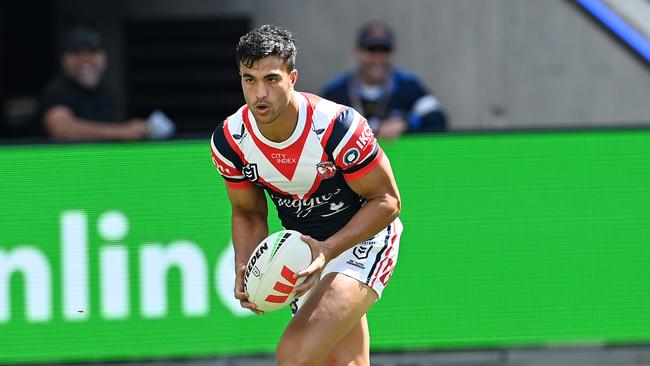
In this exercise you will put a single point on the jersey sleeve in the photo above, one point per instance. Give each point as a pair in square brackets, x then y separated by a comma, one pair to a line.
[226, 160]
[355, 148]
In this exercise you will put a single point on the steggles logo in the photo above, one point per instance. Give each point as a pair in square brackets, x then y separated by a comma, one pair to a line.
[304, 207]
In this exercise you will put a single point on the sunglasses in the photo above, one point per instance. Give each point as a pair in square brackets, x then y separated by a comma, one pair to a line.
[378, 49]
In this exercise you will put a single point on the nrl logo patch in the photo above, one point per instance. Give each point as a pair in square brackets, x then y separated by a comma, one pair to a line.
[361, 251]
[326, 169]
[250, 172]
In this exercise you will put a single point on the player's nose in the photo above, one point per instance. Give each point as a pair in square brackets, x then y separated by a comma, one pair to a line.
[261, 91]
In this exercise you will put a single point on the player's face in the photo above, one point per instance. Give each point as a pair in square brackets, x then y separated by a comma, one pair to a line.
[267, 88]
[374, 64]
[86, 66]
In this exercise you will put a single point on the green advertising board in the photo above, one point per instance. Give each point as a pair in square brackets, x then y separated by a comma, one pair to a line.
[122, 251]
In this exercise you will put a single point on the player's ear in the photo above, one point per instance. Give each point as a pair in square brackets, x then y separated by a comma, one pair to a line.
[293, 77]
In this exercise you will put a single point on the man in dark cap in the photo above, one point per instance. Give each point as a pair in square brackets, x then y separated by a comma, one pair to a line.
[393, 100]
[76, 105]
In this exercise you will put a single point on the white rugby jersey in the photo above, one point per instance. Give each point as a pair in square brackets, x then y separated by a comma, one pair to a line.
[305, 176]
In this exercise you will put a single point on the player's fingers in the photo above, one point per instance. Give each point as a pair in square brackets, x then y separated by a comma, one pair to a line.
[239, 279]
[313, 243]
[305, 286]
[250, 306]
[247, 304]
[241, 269]
[241, 295]
[315, 264]
[311, 268]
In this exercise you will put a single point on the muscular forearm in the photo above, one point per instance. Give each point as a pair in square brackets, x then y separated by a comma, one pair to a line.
[248, 230]
[374, 216]
[80, 129]
[62, 124]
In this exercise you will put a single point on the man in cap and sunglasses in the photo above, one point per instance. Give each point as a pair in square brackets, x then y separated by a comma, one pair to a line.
[393, 100]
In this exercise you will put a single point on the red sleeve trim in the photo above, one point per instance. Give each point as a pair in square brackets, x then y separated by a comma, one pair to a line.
[225, 169]
[366, 169]
[239, 185]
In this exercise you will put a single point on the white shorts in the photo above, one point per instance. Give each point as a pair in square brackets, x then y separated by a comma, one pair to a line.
[370, 262]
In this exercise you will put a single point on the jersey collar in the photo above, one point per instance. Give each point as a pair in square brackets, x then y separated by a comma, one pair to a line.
[297, 132]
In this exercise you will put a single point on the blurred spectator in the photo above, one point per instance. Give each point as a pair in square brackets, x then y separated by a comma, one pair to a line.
[78, 106]
[393, 100]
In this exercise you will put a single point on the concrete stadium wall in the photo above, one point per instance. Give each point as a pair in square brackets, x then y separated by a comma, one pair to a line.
[495, 64]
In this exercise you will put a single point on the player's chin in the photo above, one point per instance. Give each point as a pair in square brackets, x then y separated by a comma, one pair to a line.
[263, 119]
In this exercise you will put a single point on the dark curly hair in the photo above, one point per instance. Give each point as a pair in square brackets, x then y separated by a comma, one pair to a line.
[267, 40]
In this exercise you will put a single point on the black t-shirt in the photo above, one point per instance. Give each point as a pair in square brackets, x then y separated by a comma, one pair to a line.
[91, 104]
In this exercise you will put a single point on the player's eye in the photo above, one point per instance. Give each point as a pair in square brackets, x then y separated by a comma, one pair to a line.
[272, 79]
[249, 80]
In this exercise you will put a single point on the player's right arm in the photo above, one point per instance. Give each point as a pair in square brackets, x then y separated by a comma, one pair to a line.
[249, 209]
[249, 228]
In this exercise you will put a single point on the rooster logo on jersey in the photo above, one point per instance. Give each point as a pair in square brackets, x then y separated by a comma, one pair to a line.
[326, 169]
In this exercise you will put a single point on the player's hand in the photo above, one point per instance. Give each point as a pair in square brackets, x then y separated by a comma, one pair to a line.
[240, 294]
[392, 128]
[314, 269]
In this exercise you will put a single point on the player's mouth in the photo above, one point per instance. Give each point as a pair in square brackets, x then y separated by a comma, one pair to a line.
[262, 108]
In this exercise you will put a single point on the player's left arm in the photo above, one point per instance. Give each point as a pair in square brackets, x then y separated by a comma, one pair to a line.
[382, 207]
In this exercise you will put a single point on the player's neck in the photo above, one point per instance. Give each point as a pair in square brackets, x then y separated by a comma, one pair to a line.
[284, 125]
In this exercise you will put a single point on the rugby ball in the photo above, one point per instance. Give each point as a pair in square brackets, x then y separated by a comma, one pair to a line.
[268, 278]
